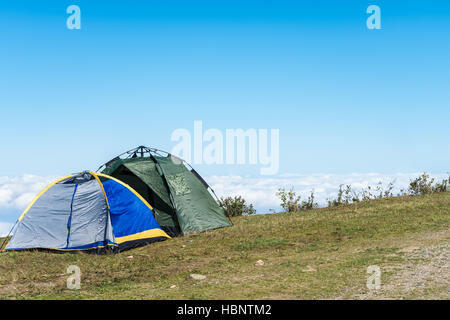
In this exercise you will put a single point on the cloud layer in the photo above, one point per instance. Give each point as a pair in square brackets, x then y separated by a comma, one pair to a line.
[260, 191]
[5, 227]
[17, 192]
[15, 195]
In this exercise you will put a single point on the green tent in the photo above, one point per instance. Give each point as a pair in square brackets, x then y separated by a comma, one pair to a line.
[180, 197]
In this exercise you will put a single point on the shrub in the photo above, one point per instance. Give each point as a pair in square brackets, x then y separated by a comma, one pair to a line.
[344, 196]
[442, 186]
[309, 204]
[236, 206]
[290, 202]
[421, 185]
[348, 196]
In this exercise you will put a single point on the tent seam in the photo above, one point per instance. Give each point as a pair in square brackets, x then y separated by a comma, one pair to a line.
[69, 222]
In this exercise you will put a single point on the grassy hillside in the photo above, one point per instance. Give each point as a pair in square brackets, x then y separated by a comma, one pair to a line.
[318, 254]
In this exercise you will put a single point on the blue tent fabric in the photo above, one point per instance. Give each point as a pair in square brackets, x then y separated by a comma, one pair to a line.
[129, 215]
[89, 212]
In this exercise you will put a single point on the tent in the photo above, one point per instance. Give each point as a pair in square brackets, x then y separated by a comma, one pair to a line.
[86, 211]
[183, 202]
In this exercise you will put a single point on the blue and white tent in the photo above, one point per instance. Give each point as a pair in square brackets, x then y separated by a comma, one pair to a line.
[86, 211]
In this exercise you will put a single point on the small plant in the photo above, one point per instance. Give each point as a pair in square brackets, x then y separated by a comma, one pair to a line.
[309, 204]
[421, 185]
[345, 196]
[237, 206]
[442, 186]
[290, 202]
[388, 192]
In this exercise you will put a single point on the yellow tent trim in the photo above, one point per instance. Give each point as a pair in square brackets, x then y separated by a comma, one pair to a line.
[152, 233]
[101, 186]
[40, 195]
[128, 187]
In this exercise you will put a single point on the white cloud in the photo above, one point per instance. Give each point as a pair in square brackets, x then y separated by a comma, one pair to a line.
[15, 195]
[260, 191]
[5, 227]
[18, 192]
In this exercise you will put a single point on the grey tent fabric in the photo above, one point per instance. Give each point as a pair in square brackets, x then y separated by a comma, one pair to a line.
[45, 225]
[73, 213]
[90, 221]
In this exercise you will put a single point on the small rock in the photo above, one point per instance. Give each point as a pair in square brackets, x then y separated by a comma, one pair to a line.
[197, 276]
[309, 269]
[259, 263]
[173, 286]
[183, 246]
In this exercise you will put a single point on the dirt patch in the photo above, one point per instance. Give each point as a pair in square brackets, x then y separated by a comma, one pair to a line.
[424, 275]
[408, 249]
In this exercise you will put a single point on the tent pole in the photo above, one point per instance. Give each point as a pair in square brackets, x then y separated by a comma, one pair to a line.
[9, 233]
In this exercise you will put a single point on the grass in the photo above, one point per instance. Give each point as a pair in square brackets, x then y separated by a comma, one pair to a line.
[315, 254]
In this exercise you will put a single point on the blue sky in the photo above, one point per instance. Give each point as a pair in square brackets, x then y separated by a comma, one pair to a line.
[345, 99]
